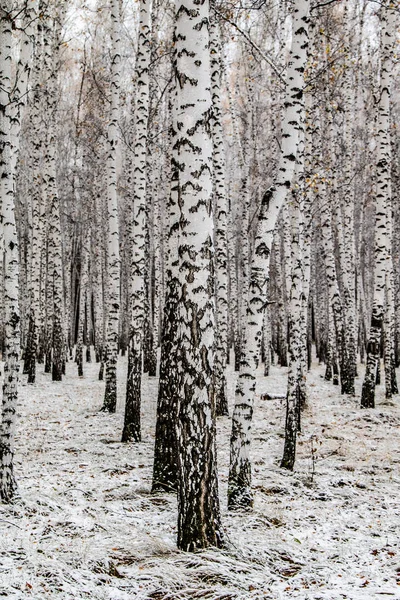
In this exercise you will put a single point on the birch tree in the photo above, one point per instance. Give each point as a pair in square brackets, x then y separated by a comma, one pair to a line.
[55, 287]
[221, 210]
[113, 305]
[199, 523]
[382, 202]
[131, 430]
[11, 262]
[239, 487]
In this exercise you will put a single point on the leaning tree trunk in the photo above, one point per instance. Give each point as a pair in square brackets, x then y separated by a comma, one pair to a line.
[199, 523]
[382, 201]
[239, 486]
[110, 394]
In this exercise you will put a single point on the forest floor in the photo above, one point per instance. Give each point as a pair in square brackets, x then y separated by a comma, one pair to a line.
[86, 525]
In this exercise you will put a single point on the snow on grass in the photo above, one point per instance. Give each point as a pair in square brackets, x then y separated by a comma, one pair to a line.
[86, 526]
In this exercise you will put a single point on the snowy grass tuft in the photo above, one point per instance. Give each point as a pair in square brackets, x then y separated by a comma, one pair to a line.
[86, 525]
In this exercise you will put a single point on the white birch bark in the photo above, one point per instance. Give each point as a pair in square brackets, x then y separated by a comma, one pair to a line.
[19, 94]
[113, 304]
[97, 261]
[52, 42]
[382, 201]
[239, 487]
[131, 430]
[348, 366]
[19, 98]
[326, 193]
[389, 317]
[221, 211]
[292, 421]
[11, 264]
[199, 523]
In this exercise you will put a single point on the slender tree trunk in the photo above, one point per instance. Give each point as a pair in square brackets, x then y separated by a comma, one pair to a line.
[131, 431]
[239, 486]
[220, 202]
[110, 395]
[382, 201]
[11, 265]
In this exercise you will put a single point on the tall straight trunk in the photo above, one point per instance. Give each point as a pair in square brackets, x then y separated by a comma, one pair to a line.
[295, 365]
[221, 210]
[238, 187]
[305, 234]
[336, 324]
[157, 280]
[348, 370]
[165, 473]
[239, 486]
[17, 108]
[97, 273]
[131, 431]
[382, 202]
[389, 326]
[113, 304]
[199, 523]
[52, 38]
[11, 265]
[20, 94]
[295, 396]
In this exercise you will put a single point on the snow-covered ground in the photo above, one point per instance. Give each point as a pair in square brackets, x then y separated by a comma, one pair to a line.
[86, 525]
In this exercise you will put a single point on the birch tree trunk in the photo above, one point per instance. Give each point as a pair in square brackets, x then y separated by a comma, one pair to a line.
[113, 305]
[131, 430]
[11, 264]
[221, 210]
[382, 202]
[295, 398]
[52, 29]
[199, 523]
[98, 295]
[239, 486]
[389, 318]
[20, 96]
[349, 364]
